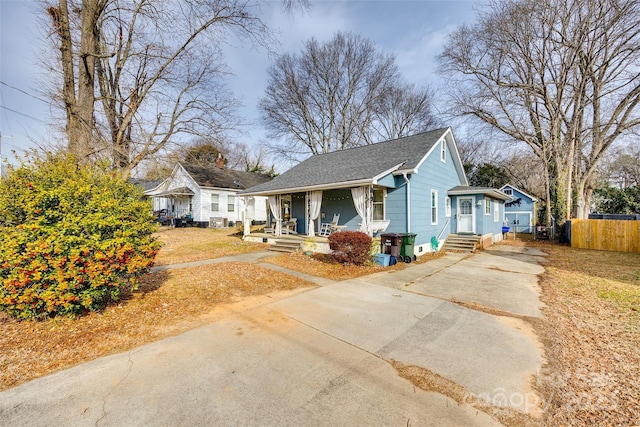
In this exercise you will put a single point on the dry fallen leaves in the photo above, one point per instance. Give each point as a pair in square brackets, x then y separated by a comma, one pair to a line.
[590, 330]
[194, 244]
[166, 303]
[322, 265]
[591, 336]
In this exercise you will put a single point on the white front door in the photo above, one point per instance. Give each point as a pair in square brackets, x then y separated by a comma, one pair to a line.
[465, 215]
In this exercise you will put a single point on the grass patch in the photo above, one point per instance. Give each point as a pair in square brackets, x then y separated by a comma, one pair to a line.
[196, 244]
[591, 337]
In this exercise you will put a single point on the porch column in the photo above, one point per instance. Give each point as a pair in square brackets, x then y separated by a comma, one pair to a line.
[247, 222]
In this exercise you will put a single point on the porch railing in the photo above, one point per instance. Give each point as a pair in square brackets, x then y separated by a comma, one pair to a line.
[444, 228]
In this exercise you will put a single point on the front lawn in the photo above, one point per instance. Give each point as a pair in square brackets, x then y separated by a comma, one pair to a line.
[590, 330]
[194, 244]
[167, 303]
[591, 335]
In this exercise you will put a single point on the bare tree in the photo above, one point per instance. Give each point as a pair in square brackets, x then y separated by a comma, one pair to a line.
[137, 74]
[526, 172]
[336, 95]
[622, 167]
[560, 76]
[401, 110]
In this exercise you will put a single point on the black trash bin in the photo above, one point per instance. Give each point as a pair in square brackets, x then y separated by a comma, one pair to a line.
[407, 248]
[390, 244]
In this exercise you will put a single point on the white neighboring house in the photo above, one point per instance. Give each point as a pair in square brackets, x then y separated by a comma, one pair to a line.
[208, 196]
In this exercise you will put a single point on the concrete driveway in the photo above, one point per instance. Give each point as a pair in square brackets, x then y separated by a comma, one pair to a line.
[321, 357]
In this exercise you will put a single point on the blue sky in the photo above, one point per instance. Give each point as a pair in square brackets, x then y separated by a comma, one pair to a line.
[411, 30]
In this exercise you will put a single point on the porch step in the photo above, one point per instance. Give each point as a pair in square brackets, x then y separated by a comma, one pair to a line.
[284, 245]
[461, 242]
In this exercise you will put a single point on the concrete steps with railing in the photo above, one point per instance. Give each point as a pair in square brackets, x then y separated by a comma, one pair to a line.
[461, 243]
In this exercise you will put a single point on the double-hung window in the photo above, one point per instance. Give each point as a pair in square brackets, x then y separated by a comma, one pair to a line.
[487, 206]
[378, 204]
[434, 207]
[231, 203]
[215, 207]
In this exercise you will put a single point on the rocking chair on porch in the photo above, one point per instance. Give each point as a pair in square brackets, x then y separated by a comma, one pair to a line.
[329, 227]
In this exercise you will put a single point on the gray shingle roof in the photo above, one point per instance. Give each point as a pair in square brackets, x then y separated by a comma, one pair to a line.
[145, 184]
[217, 177]
[354, 164]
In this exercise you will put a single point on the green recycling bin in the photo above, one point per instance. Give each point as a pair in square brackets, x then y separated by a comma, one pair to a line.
[407, 248]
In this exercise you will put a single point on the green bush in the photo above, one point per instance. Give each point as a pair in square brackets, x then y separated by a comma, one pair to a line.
[72, 238]
[350, 247]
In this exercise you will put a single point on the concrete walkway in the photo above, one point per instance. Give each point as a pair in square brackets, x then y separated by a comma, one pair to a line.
[251, 257]
[321, 357]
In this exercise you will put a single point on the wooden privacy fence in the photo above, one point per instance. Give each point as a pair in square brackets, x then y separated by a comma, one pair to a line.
[606, 235]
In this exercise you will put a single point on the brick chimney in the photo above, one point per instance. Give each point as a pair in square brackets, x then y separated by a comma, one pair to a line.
[219, 161]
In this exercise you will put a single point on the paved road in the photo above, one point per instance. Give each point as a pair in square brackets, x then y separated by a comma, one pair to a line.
[321, 357]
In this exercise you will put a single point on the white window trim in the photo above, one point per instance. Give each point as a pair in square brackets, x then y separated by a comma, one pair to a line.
[447, 207]
[383, 203]
[232, 204]
[496, 211]
[434, 196]
[487, 206]
[443, 151]
[217, 196]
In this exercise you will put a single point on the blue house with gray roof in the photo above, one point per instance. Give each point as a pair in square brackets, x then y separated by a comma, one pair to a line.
[520, 212]
[414, 184]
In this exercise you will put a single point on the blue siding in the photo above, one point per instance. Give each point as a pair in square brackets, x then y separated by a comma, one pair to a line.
[396, 207]
[387, 181]
[432, 175]
[340, 202]
[488, 223]
[298, 211]
[522, 212]
[484, 224]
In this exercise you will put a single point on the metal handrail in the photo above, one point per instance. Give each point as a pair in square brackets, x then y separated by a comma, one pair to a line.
[444, 228]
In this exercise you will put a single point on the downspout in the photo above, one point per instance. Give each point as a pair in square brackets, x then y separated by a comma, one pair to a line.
[404, 175]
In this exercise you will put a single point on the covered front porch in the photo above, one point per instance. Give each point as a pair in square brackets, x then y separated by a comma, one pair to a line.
[317, 213]
[174, 204]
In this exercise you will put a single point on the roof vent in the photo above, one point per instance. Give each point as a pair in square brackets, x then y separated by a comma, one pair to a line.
[237, 183]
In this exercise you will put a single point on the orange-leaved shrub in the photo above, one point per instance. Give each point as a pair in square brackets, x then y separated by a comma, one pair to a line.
[72, 238]
[350, 247]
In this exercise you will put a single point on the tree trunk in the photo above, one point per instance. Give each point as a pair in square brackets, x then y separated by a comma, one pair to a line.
[558, 184]
[547, 189]
[78, 101]
[86, 73]
[60, 20]
[584, 190]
